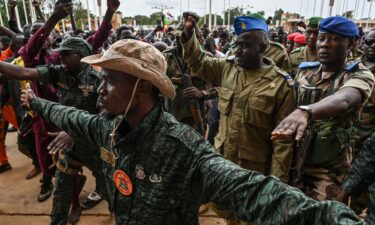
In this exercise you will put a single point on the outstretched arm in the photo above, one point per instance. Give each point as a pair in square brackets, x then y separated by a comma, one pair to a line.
[36, 42]
[92, 129]
[36, 5]
[102, 34]
[12, 71]
[254, 197]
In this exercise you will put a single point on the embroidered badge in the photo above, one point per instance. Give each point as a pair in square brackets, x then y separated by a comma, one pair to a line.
[272, 85]
[107, 156]
[123, 182]
[140, 172]
[155, 178]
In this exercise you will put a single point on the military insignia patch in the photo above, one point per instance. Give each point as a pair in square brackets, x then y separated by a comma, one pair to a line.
[243, 26]
[123, 182]
[155, 178]
[140, 172]
[107, 156]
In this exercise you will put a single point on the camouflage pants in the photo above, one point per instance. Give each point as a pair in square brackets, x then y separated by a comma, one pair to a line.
[325, 183]
[65, 185]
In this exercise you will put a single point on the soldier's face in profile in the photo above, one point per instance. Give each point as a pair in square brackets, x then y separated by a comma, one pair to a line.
[115, 92]
[332, 48]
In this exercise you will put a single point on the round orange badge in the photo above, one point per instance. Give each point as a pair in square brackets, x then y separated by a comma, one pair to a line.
[123, 182]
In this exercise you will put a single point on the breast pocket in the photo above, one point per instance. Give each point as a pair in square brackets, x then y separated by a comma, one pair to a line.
[225, 100]
[259, 111]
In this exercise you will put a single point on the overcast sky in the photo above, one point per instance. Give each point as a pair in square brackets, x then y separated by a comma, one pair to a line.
[144, 7]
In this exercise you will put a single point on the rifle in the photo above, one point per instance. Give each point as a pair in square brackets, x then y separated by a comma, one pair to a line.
[186, 83]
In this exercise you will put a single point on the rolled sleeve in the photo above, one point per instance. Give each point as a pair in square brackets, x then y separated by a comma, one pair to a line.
[363, 81]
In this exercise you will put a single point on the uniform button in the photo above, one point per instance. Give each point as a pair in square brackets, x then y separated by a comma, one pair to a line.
[172, 201]
[143, 194]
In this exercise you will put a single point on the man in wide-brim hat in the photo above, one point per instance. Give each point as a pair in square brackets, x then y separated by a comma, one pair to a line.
[159, 171]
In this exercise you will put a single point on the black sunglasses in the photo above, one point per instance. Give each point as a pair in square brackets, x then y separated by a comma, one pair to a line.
[369, 42]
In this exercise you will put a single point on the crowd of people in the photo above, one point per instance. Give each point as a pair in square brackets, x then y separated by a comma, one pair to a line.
[261, 125]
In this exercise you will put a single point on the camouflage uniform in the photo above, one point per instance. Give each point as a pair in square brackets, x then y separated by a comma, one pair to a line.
[362, 176]
[165, 171]
[299, 55]
[364, 130]
[277, 52]
[322, 180]
[79, 91]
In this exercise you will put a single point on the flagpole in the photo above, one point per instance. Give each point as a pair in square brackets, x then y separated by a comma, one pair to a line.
[1, 19]
[210, 14]
[18, 17]
[6, 8]
[24, 11]
[369, 15]
[88, 15]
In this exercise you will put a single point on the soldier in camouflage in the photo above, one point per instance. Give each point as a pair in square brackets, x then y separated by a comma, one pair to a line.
[77, 84]
[360, 200]
[331, 95]
[306, 53]
[159, 171]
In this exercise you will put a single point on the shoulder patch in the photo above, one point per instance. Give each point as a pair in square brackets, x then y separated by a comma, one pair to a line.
[277, 44]
[231, 58]
[305, 65]
[287, 76]
[351, 66]
[296, 50]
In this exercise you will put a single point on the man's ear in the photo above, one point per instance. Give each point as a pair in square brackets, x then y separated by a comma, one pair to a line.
[351, 43]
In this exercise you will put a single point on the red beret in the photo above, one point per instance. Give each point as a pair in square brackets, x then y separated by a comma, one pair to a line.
[292, 36]
[300, 39]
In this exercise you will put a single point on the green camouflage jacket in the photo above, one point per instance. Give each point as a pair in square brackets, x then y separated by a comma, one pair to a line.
[362, 175]
[79, 90]
[165, 171]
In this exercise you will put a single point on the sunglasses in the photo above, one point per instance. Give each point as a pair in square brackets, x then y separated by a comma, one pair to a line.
[369, 42]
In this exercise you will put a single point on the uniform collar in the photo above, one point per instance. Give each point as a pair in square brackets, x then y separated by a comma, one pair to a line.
[143, 130]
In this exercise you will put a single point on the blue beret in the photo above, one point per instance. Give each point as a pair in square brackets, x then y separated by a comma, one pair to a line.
[339, 25]
[247, 23]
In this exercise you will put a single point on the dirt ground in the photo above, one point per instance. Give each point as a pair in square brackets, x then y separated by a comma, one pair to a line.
[18, 196]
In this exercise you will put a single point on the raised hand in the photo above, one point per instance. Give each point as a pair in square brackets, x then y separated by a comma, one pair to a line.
[113, 5]
[27, 96]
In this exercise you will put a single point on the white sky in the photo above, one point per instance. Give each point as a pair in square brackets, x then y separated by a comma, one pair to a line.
[144, 7]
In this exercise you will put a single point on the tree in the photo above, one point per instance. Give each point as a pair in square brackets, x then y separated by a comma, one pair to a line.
[234, 12]
[277, 16]
[141, 20]
[348, 14]
[156, 18]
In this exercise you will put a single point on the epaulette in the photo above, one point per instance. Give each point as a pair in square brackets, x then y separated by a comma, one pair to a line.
[351, 66]
[277, 44]
[287, 76]
[296, 50]
[230, 58]
[305, 65]
[184, 134]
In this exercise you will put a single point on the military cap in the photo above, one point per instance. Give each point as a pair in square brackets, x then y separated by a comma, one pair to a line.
[314, 21]
[300, 39]
[339, 25]
[77, 45]
[248, 23]
[291, 36]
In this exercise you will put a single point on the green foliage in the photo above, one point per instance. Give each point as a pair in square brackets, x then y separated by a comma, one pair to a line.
[277, 16]
[234, 12]
[219, 20]
[140, 19]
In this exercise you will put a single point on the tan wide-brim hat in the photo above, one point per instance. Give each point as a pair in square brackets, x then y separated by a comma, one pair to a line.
[138, 59]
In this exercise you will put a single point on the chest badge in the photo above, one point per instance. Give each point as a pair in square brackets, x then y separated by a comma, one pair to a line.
[272, 85]
[155, 178]
[140, 172]
[123, 182]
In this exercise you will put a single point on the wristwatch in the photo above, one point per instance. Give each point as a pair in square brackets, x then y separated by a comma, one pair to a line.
[307, 109]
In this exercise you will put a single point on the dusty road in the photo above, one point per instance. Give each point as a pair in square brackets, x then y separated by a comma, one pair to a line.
[18, 196]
